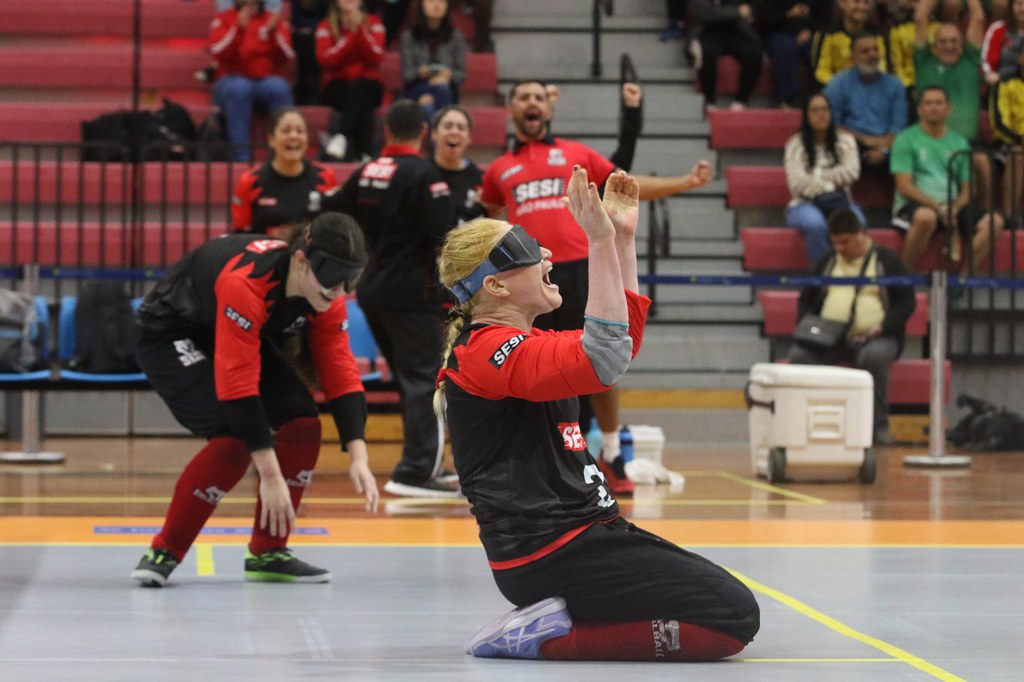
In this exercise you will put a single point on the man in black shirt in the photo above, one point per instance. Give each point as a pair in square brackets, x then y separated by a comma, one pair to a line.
[404, 207]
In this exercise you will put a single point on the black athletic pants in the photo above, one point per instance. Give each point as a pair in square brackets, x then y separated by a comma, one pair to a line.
[180, 369]
[616, 572]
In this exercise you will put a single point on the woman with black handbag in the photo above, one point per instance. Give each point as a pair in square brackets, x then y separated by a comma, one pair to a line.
[821, 165]
[874, 317]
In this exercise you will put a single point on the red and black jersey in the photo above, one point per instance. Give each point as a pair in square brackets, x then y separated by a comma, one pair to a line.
[264, 199]
[513, 419]
[231, 291]
[404, 207]
[465, 184]
[530, 180]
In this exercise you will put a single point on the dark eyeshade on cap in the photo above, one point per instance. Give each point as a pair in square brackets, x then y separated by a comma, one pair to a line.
[331, 271]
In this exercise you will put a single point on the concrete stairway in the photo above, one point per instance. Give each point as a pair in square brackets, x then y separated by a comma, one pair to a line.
[700, 337]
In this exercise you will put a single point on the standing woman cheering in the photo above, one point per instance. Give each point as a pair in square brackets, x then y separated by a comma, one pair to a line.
[287, 191]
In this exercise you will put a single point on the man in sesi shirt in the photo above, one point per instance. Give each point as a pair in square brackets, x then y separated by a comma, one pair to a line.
[588, 584]
[525, 185]
[404, 207]
[207, 344]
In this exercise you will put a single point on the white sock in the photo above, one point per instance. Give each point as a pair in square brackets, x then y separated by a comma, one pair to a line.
[610, 446]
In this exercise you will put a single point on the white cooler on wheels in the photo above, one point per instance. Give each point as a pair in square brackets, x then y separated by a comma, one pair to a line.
[811, 422]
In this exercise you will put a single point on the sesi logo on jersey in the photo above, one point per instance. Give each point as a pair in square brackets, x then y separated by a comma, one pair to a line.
[439, 189]
[380, 170]
[538, 189]
[264, 245]
[237, 318]
[501, 355]
[572, 437]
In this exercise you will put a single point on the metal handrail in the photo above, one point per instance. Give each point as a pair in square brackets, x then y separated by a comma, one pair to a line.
[980, 309]
[608, 7]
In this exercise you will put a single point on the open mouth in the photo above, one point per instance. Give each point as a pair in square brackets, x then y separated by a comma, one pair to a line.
[326, 296]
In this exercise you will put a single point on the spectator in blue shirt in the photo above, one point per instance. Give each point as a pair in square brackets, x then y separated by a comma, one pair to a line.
[868, 103]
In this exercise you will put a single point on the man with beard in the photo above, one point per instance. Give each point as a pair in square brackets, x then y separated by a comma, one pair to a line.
[868, 104]
[525, 186]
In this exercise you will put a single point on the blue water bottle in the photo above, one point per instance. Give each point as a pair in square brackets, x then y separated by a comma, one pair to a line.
[595, 442]
[626, 444]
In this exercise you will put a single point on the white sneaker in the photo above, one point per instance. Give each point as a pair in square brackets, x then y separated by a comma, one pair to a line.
[520, 633]
[430, 488]
[334, 145]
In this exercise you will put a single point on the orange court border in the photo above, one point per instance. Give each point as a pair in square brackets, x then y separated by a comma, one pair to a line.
[462, 532]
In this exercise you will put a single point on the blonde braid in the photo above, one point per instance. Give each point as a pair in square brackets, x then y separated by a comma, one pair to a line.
[465, 248]
[460, 317]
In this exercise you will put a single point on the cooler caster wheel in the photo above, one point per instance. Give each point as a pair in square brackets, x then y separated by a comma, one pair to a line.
[869, 467]
[777, 465]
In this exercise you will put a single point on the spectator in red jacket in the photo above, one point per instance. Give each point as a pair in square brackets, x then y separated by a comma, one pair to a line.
[1003, 41]
[251, 48]
[350, 47]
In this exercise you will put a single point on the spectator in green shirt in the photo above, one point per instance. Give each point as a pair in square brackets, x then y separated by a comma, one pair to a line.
[955, 66]
[920, 167]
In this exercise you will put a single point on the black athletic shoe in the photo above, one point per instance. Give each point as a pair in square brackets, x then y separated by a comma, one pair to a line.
[154, 568]
[279, 566]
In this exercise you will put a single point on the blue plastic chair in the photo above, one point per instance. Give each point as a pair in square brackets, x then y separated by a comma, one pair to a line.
[67, 347]
[361, 341]
[43, 313]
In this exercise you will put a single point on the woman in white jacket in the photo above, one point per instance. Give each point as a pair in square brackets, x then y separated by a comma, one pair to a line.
[821, 165]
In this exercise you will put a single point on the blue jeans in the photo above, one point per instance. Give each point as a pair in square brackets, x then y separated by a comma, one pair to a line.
[813, 225]
[786, 56]
[271, 5]
[237, 96]
[442, 94]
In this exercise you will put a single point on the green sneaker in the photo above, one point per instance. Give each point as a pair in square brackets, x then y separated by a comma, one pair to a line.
[279, 566]
[154, 568]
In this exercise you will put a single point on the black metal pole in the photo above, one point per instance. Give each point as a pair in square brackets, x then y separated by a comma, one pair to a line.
[595, 63]
[136, 52]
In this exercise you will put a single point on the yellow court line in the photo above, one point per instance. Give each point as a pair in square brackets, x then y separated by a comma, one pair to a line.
[845, 630]
[767, 487]
[818, 660]
[204, 558]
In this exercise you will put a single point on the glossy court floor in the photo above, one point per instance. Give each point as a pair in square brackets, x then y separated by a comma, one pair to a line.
[915, 577]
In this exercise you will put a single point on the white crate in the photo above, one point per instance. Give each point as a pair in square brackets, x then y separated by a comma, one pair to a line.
[811, 422]
[648, 441]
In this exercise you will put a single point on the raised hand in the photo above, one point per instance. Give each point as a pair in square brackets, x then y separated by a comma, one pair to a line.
[622, 202]
[584, 203]
[701, 174]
